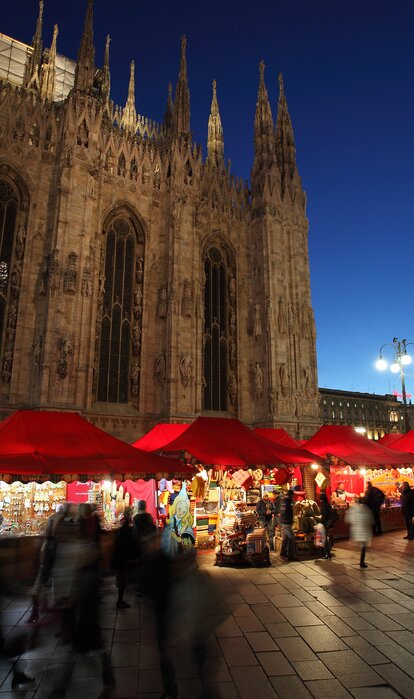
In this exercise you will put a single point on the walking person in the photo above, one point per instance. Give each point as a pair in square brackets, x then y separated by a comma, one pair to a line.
[265, 510]
[327, 519]
[124, 554]
[407, 509]
[360, 520]
[374, 499]
[286, 521]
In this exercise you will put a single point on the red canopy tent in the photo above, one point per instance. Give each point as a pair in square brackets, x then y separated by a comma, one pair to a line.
[160, 435]
[277, 436]
[388, 439]
[343, 442]
[228, 442]
[59, 442]
[404, 442]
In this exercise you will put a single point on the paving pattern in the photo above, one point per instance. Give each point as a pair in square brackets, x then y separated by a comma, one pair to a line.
[315, 629]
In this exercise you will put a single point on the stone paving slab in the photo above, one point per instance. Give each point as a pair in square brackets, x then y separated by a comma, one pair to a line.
[313, 629]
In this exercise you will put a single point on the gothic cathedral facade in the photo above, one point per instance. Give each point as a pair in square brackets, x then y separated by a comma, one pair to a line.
[139, 283]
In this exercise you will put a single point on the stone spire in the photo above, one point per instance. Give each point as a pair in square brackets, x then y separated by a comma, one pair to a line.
[215, 142]
[263, 126]
[85, 66]
[129, 114]
[182, 96]
[106, 74]
[169, 111]
[31, 78]
[285, 141]
[48, 73]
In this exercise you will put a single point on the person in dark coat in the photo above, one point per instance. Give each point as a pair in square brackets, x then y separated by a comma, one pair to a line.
[144, 527]
[124, 554]
[327, 516]
[407, 509]
[265, 510]
[286, 520]
[374, 498]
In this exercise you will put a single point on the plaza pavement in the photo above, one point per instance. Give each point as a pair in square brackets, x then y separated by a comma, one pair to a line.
[315, 629]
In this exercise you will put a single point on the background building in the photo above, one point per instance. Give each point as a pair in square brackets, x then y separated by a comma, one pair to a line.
[137, 281]
[378, 414]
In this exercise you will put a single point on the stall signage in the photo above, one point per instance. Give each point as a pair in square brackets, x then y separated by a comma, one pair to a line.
[387, 480]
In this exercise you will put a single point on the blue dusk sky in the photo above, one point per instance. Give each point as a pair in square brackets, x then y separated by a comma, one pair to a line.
[348, 68]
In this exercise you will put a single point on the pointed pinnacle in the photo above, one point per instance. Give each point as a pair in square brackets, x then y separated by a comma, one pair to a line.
[183, 60]
[281, 86]
[55, 36]
[108, 41]
[214, 102]
[262, 67]
[131, 87]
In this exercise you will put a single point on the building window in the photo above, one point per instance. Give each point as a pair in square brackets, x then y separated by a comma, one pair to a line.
[120, 312]
[220, 346]
[12, 242]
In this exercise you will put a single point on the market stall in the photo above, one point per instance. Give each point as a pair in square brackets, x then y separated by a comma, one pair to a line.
[235, 482]
[354, 460]
[40, 453]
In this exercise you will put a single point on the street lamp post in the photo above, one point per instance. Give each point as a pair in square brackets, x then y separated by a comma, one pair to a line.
[401, 360]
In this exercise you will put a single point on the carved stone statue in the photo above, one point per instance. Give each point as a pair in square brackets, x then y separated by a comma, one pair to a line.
[136, 339]
[7, 365]
[232, 322]
[187, 299]
[284, 380]
[186, 369]
[282, 317]
[137, 301]
[12, 316]
[162, 301]
[232, 356]
[306, 383]
[257, 327]
[71, 274]
[232, 388]
[16, 276]
[66, 350]
[258, 381]
[54, 270]
[232, 290]
[134, 378]
[273, 396]
[139, 273]
[86, 289]
[160, 368]
[37, 349]
[101, 289]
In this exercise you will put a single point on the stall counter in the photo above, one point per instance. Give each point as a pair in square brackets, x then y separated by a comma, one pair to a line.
[391, 520]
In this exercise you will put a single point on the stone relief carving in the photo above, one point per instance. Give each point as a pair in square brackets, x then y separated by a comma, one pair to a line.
[20, 242]
[186, 369]
[232, 322]
[258, 381]
[7, 365]
[12, 316]
[71, 274]
[294, 319]
[86, 288]
[160, 368]
[284, 380]
[101, 289]
[306, 383]
[65, 348]
[139, 270]
[187, 299]
[232, 290]
[281, 319]
[16, 279]
[162, 308]
[257, 325]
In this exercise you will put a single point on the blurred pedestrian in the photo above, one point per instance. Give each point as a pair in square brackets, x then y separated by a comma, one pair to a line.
[327, 517]
[145, 539]
[407, 508]
[360, 520]
[286, 520]
[47, 557]
[124, 555]
[374, 499]
[265, 510]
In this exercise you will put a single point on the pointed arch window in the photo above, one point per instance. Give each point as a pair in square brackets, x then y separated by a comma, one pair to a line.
[220, 349]
[119, 319]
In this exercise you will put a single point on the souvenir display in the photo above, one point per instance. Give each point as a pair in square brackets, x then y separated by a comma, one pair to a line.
[25, 507]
